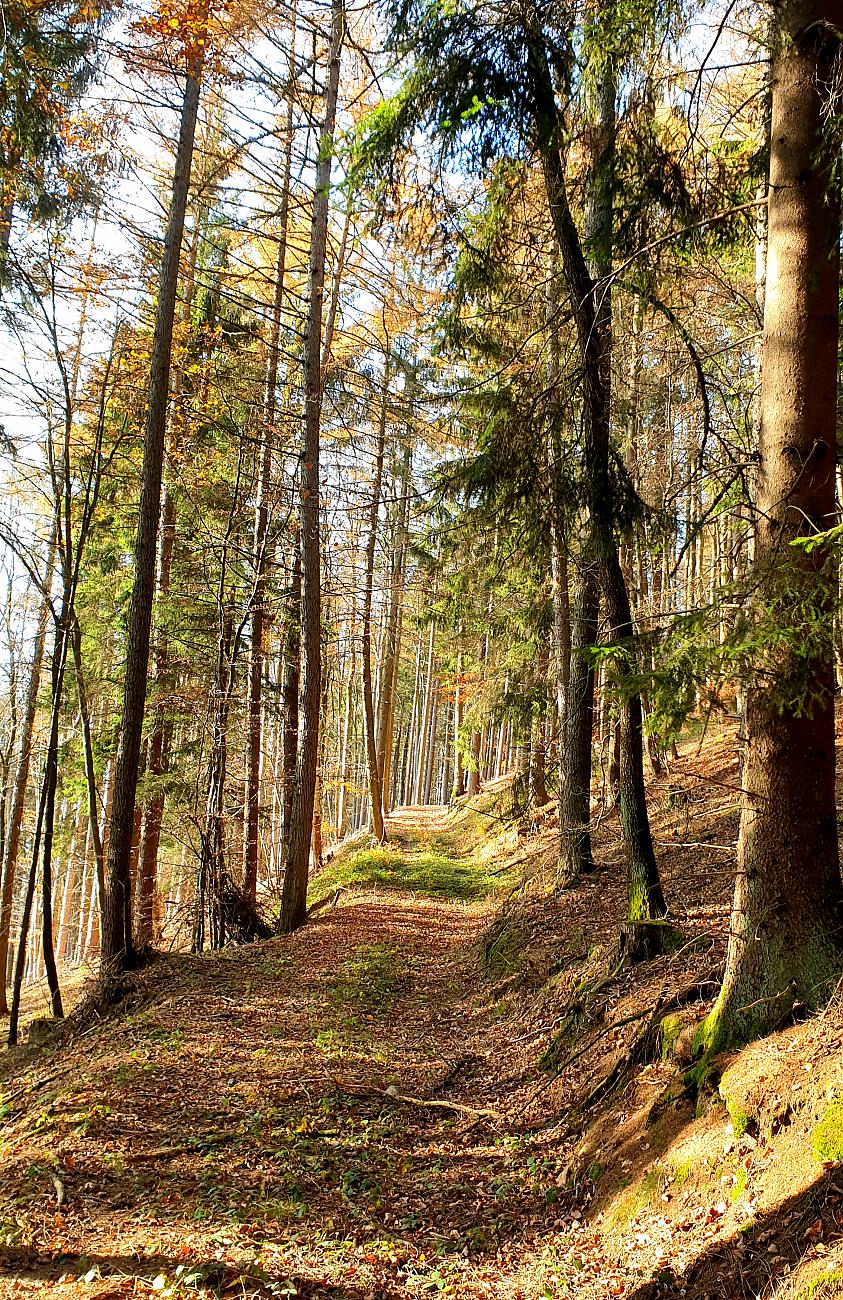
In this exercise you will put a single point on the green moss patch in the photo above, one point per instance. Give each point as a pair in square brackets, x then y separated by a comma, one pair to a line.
[434, 872]
[827, 1137]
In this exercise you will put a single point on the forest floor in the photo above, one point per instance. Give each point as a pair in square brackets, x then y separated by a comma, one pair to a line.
[395, 1100]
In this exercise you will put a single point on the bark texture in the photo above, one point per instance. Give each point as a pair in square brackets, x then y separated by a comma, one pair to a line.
[785, 936]
[116, 951]
[298, 840]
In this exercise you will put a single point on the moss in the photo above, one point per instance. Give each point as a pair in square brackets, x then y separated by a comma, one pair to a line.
[370, 978]
[560, 1044]
[682, 1170]
[671, 1028]
[500, 946]
[741, 1119]
[595, 1171]
[439, 871]
[635, 1200]
[740, 1184]
[827, 1137]
[827, 1287]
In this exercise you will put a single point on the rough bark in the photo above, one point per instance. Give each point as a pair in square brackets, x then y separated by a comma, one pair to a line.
[785, 935]
[392, 640]
[261, 528]
[116, 946]
[375, 787]
[591, 304]
[575, 856]
[298, 843]
[13, 832]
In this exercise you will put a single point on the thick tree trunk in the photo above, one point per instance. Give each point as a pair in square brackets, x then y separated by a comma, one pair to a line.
[538, 758]
[575, 857]
[298, 843]
[290, 692]
[161, 734]
[785, 941]
[116, 947]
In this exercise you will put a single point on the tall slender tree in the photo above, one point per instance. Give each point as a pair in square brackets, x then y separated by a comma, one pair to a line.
[117, 948]
[299, 835]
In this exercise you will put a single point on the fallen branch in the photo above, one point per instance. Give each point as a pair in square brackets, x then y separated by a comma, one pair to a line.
[159, 1153]
[328, 900]
[634, 1055]
[575, 1056]
[34, 1086]
[428, 1103]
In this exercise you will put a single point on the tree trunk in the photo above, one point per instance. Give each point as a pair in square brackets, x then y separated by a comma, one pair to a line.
[375, 788]
[261, 529]
[88, 749]
[297, 846]
[458, 785]
[785, 935]
[13, 832]
[591, 305]
[424, 720]
[116, 946]
[394, 627]
[575, 857]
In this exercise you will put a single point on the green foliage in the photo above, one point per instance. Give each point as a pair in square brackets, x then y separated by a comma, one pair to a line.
[45, 65]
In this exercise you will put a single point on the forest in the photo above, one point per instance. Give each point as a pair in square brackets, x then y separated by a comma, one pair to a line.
[420, 641]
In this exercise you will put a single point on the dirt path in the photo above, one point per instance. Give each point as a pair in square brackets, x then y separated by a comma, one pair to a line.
[237, 1131]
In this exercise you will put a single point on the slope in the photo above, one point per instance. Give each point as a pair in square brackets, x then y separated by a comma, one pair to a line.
[400, 1099]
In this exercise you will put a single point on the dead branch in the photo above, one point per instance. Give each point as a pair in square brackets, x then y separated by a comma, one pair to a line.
[428, 1103]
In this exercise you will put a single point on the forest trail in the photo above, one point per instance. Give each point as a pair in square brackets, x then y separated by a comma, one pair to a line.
[359, 1111]
[236, 1131]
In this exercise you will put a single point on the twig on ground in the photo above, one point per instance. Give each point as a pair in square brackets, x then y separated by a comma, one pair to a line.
[326, 901]
[367, 1090]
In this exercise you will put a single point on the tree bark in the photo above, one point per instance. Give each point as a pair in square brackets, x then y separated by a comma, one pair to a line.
[261, 529]
[298, 843]
[394, 627]
[591, 304]
[375, 788]
[785, 935]
[116, 946]
[13, 832]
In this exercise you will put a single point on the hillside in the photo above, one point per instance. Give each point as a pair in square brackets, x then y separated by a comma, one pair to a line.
[402, 1099]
